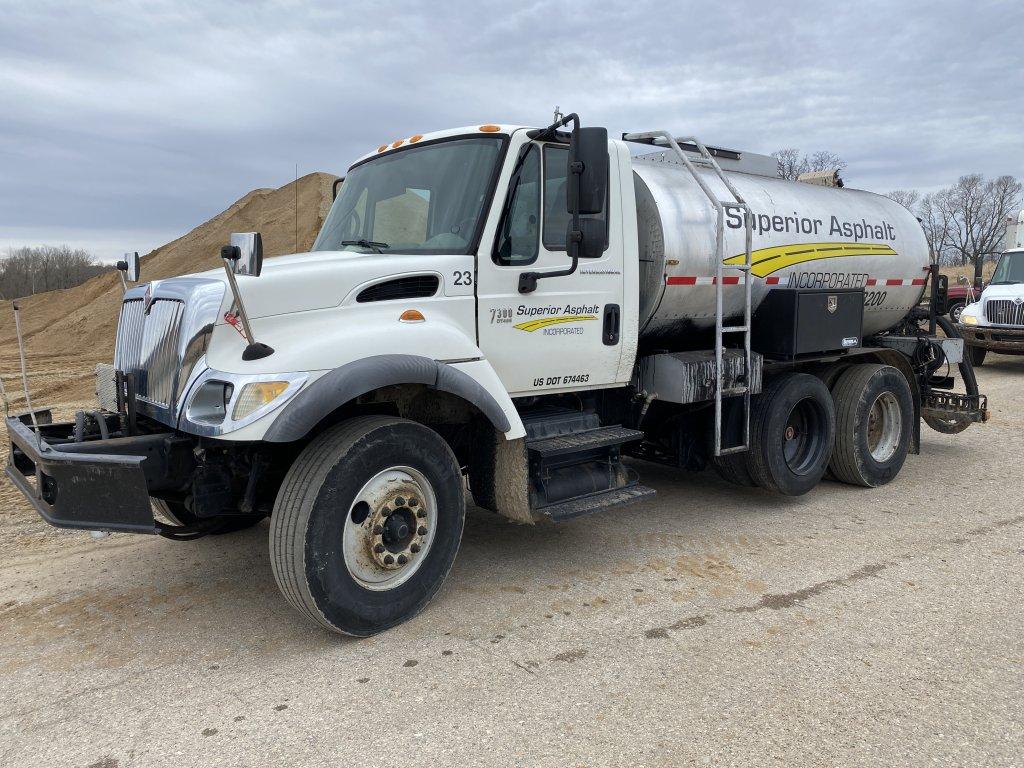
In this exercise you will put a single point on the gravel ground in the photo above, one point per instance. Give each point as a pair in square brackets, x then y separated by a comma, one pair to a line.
[710, 626]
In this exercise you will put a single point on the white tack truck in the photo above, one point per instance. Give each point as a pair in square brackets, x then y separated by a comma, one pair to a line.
[520, 308]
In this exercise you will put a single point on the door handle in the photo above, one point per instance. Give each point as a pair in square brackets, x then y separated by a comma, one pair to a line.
[610, 334]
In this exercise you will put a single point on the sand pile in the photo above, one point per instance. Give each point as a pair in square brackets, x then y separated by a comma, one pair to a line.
[68, 332]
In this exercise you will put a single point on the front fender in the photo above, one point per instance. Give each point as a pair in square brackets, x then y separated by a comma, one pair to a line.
[473, 381]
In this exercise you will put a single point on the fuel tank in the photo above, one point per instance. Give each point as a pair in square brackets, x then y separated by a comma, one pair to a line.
[804, 236]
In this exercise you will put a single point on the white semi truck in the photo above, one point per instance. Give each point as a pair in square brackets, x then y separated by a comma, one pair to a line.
[516, 308]
[995, 322]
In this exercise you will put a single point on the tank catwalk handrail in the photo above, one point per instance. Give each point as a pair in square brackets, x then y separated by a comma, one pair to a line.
[720, 328]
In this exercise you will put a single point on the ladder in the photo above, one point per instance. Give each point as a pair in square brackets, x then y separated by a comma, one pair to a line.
[664, 138]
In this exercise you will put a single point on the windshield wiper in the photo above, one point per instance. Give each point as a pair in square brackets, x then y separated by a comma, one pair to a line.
[372, 244]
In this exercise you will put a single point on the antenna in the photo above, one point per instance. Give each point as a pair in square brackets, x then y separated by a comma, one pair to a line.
[296, 208]
[558, 114]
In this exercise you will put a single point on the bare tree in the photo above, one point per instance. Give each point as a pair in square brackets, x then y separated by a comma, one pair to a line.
[792, 163]
[908, 198]
[970, 217]
[28, 270]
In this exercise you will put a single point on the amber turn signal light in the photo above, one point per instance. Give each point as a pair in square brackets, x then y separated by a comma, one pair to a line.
[412, 316]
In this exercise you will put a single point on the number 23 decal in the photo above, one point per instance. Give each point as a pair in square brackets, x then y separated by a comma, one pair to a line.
[463, 277]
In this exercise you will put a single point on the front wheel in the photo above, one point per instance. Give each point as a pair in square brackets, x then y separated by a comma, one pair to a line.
[954, 312]
[367, 523]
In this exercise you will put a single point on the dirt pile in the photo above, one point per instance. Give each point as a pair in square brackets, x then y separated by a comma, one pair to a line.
[68, 332]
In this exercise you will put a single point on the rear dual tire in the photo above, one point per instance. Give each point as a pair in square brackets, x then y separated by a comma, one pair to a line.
[860, 431]
[791, 428]
[874, 424]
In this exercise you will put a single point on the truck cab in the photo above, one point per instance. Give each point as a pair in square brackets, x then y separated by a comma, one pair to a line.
[995, 322]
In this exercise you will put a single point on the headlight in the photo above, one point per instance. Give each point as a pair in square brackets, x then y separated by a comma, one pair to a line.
[255, 395]
[968, 319]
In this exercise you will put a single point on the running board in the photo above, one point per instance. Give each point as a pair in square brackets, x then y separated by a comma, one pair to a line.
[576, 442]
[596, 502]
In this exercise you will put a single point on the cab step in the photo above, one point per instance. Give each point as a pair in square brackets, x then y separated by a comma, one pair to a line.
[596, 502]
[589, 440]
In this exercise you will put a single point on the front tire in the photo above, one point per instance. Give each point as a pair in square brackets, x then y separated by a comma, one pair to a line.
[874, 425]
[955, 311]
[367, 523]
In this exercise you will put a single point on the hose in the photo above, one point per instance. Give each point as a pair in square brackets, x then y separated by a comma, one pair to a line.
[952, 426]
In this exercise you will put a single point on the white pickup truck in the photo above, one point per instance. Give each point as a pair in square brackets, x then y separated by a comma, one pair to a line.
[995, 322]
[517, 309]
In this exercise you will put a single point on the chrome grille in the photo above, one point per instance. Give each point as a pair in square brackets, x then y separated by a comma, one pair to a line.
[129, 336]
[1004, 312]
[147, 346]
[161, 348]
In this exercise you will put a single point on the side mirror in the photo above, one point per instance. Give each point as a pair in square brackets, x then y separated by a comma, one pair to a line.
[591, 238]
[245, 253]
[130, 265]
[588, 171]
[334, 187]
[961, 280]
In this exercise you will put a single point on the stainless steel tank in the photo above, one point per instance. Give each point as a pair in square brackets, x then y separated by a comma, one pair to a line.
[804, 236]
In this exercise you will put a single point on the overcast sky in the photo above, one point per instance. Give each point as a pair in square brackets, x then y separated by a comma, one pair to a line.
[124, 125]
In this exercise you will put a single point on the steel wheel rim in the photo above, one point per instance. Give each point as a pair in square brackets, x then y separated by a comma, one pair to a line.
[802, 436]
[885, 427]
[389, 528]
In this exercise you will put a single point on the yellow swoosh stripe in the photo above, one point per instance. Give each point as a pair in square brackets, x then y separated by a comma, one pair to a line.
[764, 261]
[533, 325]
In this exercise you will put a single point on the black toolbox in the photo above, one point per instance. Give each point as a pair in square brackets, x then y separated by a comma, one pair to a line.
[795, 323]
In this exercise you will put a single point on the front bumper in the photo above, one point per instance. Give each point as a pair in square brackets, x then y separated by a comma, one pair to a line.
[1009, 341]
[98, 485]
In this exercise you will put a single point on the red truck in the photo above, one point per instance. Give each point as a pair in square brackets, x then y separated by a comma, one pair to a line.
[959, 295]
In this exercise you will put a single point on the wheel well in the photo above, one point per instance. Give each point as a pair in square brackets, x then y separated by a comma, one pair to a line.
[456, 419]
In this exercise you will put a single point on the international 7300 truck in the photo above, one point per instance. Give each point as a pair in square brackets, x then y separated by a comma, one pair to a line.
[514, 310]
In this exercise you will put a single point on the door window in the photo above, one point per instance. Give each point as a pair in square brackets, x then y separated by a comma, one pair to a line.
[520, 227]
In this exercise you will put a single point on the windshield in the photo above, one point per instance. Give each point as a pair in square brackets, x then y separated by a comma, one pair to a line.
[1010, 269]
[426, 199]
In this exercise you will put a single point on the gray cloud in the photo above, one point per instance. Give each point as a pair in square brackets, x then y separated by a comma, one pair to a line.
[142, 120]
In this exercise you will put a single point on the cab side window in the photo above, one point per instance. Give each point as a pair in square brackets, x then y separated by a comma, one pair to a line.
[519, 232]
[556, 217]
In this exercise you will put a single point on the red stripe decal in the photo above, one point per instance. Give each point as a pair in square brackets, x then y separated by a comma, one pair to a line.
[894, 281]
[772, 280]
[918, 281]
[872, 281]
[681, 281]
[735, 280]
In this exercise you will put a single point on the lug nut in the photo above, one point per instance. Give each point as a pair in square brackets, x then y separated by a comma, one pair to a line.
[422, 530]
[421, 513]
[399, 501]
[388, 560]
[414, 548]
[413, 501]
[378, 548]
[402, 559]
[385, 512]
[378, 529]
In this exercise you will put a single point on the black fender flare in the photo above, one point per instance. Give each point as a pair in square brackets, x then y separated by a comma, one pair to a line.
[349, 381]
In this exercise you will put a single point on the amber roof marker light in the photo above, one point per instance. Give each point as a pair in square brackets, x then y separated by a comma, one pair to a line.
[490, 128]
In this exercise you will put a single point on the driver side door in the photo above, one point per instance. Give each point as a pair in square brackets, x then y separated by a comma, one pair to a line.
[555, 338]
